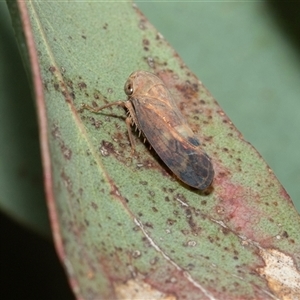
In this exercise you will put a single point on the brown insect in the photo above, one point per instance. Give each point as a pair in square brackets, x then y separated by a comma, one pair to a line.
[153, 111]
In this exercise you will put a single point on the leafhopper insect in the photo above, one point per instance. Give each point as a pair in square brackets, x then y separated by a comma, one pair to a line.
[153, 111]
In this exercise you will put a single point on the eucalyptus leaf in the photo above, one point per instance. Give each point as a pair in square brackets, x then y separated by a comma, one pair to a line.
[123, 224]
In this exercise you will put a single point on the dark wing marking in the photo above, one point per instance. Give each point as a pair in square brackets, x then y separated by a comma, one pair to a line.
[182, 154]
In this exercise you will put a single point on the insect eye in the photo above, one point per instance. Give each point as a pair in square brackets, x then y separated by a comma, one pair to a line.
[128, 88]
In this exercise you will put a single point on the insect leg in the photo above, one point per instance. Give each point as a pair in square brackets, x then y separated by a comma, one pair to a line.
[97, 109]
[130, 120]
[132, 142]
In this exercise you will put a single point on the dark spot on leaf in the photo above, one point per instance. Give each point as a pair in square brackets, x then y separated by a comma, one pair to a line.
[190, 266]
[82, 85]
[52, 69]
[195, 87]
[94, 205]
[97, 124]
[188, 90]
[146, 42]
[188, 213]
[151, 193]
[181, 198]
[148, 224]
[106, 148]
[94, 104]
[171, 221]
[67, 153]
[211, 240]
[208, 139]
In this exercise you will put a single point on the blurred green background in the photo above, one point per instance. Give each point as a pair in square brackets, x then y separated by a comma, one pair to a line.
[246, 53]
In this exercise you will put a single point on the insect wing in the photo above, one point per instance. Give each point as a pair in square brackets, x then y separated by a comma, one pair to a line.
[181, 153]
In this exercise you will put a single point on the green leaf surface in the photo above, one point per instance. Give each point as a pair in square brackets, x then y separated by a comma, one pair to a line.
[124, 226]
